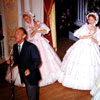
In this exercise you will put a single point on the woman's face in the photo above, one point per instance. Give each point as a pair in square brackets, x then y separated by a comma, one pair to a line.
[91, 20]
[27, 19]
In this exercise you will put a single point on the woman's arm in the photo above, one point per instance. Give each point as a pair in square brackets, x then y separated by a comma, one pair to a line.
[90, 34]
[94, 40]
[33, 33]
[34, 29]
[93, 31]
[39, 31]
[86, 36]
[42, 31]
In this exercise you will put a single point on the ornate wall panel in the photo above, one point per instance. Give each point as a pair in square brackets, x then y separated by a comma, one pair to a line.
[10, 7]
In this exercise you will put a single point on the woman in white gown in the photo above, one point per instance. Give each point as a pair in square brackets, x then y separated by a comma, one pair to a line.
[81, 63]
[51, 63]
[97, 95]
[96, 87]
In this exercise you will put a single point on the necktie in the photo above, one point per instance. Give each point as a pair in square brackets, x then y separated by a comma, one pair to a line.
[19, 49]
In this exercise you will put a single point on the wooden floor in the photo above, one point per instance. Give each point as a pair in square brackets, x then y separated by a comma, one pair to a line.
[51, 92]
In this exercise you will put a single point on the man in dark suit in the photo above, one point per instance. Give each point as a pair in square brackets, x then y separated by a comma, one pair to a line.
[28, 61]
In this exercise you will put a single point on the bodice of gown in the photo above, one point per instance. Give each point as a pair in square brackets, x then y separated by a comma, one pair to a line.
[87, 41]
[35, 37]
[38, 35]
[83, 31]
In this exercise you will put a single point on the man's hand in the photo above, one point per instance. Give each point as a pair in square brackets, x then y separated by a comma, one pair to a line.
[27, 72]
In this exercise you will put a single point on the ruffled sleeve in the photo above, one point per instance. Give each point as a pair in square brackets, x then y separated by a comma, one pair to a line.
[98, 35]
[43, 26]
[81, 31]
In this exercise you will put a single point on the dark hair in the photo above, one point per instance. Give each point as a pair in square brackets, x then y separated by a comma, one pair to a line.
[91, 15]
[25, 32]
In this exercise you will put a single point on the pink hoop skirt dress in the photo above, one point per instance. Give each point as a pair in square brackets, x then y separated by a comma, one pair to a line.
[50, 67]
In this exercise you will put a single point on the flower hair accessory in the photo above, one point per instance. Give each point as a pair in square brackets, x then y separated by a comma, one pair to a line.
[96, 15]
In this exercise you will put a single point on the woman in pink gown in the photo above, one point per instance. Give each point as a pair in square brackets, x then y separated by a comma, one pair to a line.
[51, 63]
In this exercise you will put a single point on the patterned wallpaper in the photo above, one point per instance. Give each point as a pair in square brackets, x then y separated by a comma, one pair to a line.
[10, 7]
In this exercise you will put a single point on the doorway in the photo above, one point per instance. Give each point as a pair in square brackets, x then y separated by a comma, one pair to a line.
[66, 14]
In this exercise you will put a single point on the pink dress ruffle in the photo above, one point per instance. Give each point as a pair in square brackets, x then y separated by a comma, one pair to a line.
[51, 63]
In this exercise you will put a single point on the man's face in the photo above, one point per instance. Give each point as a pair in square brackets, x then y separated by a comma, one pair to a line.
[19, 36]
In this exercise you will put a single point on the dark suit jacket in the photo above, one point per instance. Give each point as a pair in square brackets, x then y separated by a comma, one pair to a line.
[29, 58]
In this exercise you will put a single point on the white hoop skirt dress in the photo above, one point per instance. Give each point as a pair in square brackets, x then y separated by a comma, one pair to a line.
[81, 63]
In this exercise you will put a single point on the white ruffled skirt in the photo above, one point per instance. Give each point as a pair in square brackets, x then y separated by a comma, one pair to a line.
[50, 67]
[80, 66]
